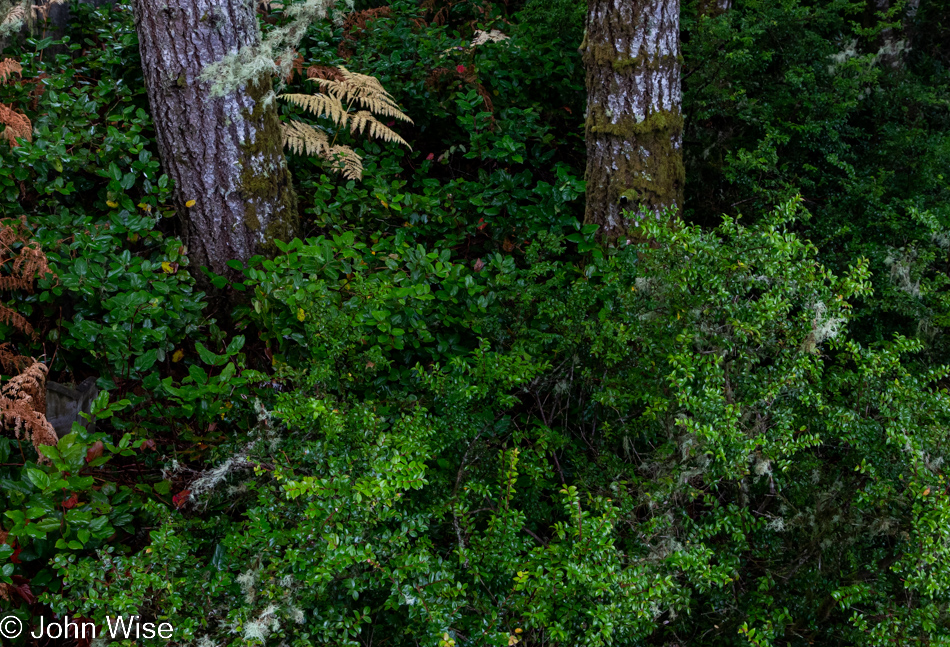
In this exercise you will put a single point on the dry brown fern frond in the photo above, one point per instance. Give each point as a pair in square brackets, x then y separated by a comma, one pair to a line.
[353, 27]
[303, 138]
[364, 90]
[11, 361]
[343, 89]
[24, 260]
[346, 162]
[22, 407]
[321, 105]
[29, 263]
[13, 318]
[8, 67]
[324, 72]
[17, 125]
[363, 120]
[15, 283]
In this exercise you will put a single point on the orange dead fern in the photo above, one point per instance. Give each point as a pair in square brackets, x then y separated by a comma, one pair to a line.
[22, 261]
[17, 125]
[325, 72]
[354, 25]
[23, 406]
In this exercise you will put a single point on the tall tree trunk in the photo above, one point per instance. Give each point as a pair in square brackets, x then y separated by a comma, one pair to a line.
[714, 7]
[224, 153]
[896, 44]
[634, 121]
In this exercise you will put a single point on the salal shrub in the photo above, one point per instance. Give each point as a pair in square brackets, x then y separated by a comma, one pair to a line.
[669, 442]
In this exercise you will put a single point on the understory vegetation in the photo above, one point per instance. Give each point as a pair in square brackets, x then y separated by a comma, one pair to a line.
[449, 414]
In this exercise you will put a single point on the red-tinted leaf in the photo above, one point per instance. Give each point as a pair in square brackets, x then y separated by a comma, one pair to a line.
[181, 498]
[148, 444]
[24, 592]
[95, 451]
[71, 501]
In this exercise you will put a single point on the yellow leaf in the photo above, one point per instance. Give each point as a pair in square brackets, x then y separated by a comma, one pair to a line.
[167, 268]
[190, 203]
[177, 355]
[301, 315]
[112, 204]
[145, 207]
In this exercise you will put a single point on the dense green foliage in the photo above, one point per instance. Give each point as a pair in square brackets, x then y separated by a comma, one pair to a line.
[447, 415]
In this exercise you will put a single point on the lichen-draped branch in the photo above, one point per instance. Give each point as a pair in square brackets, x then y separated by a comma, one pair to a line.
[274, 55]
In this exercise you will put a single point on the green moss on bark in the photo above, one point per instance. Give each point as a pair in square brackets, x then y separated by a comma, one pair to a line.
[265, 178]
[652, 175]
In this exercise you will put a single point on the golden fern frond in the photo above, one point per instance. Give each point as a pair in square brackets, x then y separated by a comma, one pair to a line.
[8, 67]
[17, 125]
[303, 138]
[363, 120]
[365, 90]
[345, 161]
[321, 105]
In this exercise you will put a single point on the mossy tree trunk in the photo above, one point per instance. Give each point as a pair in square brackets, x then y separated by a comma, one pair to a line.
[634, 121]
[223, 152]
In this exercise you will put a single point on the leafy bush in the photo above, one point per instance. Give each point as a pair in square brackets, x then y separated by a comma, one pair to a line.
[612, 448]
[447, 415]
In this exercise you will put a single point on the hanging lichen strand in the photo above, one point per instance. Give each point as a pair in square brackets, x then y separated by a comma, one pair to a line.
[634, 124]
[223, 151]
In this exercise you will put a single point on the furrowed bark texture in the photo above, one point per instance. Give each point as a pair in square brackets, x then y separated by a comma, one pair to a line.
[225, 153]
[634, 121]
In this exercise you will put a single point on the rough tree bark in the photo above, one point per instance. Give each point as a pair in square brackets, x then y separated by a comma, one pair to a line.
[224, 153]
[634, 121]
